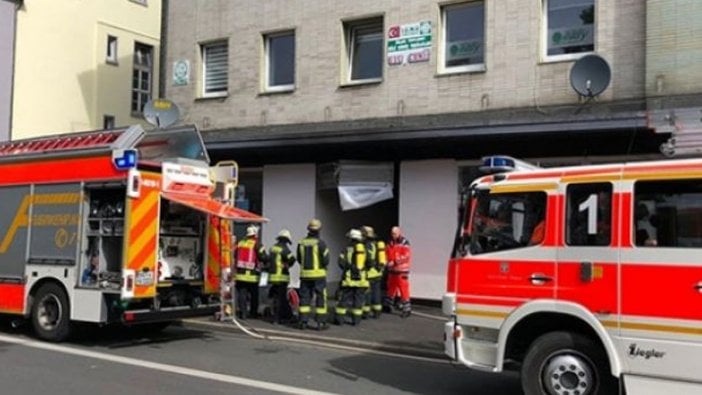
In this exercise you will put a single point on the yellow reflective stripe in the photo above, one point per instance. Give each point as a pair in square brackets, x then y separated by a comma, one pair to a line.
[273, 278]
[523, 188]
[247, 276]
[313, 273]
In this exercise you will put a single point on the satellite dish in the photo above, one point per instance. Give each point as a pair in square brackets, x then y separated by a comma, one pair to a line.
[590, 75]
[161, 113]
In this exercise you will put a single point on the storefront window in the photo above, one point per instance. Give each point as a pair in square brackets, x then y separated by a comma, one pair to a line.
[464, 36]
[570, 26]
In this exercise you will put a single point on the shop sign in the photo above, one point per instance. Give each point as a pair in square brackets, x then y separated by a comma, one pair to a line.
[570, 36]
[410, 43]
[181, 72]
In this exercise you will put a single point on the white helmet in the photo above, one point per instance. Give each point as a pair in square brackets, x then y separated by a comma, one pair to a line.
[251, 230]
[284, 234]
[355, 234]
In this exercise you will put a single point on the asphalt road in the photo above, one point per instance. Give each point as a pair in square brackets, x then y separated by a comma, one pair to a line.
[186, 361]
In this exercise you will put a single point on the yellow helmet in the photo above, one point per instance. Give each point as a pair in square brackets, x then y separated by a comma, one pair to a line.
[314, 224]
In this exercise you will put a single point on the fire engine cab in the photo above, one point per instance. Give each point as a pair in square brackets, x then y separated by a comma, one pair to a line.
[116, 226]
[585, 279]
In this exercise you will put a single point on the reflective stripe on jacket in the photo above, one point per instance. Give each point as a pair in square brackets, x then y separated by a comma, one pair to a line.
[353, 263]
[380, 260]
[313, 256]
[399, 256]
[250, 255]
[280, 258]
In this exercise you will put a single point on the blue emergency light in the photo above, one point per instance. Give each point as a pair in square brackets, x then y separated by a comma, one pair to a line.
[502, 163]
[124, 159]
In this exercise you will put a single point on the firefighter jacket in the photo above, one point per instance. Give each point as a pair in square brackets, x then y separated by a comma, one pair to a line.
[353, 266]
[377, 258]
[250, 256]
[313, 256]
[399, 256]
[280, 258]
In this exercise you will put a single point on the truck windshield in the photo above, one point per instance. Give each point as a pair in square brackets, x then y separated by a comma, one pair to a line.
[160, 145]
[505, 221]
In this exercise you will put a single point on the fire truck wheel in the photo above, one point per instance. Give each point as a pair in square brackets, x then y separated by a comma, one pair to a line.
[560, 363]
[51, 317]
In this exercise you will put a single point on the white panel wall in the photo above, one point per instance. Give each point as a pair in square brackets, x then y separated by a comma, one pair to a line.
[428, 210]
[288, 201]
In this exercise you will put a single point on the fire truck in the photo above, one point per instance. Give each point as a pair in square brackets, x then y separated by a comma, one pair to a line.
[113, 226]
[586, 280]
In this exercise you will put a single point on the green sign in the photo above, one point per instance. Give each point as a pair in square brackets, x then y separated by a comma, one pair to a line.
[456, 50]
[566, 37]
[181, 72]
[410, 43]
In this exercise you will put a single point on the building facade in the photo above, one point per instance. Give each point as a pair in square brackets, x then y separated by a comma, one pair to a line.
[7, 51]
[83, 65]
[313, 97]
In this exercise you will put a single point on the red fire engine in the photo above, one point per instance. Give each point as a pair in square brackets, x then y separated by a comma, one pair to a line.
[111, 226]
[582, 278]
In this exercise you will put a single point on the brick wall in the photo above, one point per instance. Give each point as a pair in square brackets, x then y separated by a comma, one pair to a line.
[514, 77]
[674, 53]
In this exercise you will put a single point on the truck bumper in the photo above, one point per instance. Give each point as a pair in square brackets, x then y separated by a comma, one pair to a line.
[167, 314]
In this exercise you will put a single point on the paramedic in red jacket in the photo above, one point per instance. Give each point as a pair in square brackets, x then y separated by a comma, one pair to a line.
[399, 262]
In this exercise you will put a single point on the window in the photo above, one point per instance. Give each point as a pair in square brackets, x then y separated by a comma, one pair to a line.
[108, 122]
[364, 47]
[464, 37]
[215, 69]
[570, 27]
[280, 61]
[589, 214]
[111, 54]
[668, 213]
[505, 221]
[142, 76]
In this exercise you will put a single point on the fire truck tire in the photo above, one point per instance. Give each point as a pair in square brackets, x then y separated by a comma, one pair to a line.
[51, 317]
[560, 363]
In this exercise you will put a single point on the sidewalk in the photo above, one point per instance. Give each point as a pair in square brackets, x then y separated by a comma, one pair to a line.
[420, 334]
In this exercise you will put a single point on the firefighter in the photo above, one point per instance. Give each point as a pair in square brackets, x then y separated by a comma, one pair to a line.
[399, 262]
[250, 257]
[313, 258]
[280, 258]
[354, 283]
[375, 265]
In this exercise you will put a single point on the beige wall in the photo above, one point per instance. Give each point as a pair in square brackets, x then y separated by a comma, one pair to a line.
[515, 75]
[62, 83]
[674, 53]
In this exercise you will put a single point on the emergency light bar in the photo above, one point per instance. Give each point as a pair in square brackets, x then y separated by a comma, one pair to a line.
[124, 159]
[502, 164]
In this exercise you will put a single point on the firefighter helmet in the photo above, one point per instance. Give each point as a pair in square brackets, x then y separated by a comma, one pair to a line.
[368, 231]
[251, 230]
[355, 234]
[284, 234]
[314, 224]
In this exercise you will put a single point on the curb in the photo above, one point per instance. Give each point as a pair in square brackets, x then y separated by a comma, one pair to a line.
[228, 327]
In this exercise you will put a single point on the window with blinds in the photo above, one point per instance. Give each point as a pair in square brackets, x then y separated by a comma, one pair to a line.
[215, 69]
[365, 49]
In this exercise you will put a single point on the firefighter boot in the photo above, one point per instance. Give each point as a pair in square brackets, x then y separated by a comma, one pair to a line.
[356, 320]
[302, 325]
[406, 309]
